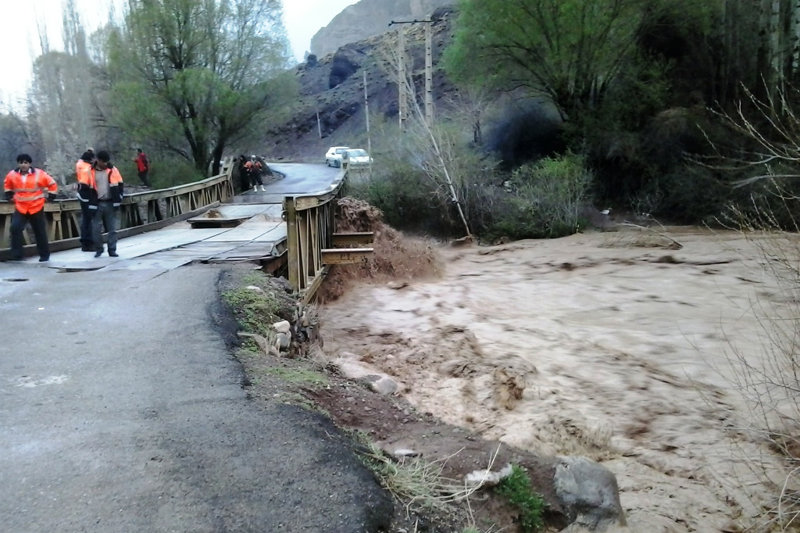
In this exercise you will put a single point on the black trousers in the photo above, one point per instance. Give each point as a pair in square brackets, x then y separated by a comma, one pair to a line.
[106, 216]
[39, 224]
[87, 241]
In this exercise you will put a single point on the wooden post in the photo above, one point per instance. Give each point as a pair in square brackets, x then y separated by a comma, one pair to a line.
[293, 243]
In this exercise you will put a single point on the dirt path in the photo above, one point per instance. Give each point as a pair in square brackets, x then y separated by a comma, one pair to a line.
[609, 345]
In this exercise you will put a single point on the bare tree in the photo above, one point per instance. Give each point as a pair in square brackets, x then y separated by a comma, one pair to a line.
[769, 381]
[771, 128]
[62, 94]
[14, 139]
[434, 148]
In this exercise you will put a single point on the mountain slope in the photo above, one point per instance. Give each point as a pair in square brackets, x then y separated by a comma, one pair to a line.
[330, 107]
[369, 18]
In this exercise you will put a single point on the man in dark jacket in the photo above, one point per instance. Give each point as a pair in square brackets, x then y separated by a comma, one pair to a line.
[106, 193]
[83, 169]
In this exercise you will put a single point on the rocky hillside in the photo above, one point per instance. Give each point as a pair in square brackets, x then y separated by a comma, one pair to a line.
[331, 107]
[369, 18]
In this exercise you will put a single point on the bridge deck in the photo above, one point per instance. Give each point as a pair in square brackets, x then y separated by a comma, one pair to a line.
[260, 235]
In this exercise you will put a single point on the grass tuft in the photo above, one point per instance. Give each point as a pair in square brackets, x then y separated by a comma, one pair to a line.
[254, 305]
[517, 488]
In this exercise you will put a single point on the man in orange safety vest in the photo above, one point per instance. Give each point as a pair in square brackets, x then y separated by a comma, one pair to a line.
[83, 170]
[29, 187]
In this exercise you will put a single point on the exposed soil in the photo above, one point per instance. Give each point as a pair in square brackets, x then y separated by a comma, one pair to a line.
[393, 424]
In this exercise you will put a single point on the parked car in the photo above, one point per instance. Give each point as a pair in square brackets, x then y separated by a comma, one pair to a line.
[334, 156]
[356, 157]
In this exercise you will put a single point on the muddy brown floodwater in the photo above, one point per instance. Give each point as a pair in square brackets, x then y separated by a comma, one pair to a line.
[612, 345]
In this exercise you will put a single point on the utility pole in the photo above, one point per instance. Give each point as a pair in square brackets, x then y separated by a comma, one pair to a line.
[428, 74]
[403, 104]
[366, 113]
[401, 78]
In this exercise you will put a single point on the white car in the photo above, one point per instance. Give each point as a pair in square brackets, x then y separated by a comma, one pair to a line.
[334, 156]
[356, 157]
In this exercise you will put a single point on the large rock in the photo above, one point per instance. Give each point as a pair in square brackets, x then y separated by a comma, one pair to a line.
[368, 18]
[588, 493]
[351, 368]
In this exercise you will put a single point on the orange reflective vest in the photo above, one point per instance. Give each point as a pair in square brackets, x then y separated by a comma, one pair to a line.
[114, 177]
[29, 190]
[83, 170]
[114, 185]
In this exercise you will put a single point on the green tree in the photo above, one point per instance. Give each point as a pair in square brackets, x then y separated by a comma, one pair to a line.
[571, 51]
[194, 76]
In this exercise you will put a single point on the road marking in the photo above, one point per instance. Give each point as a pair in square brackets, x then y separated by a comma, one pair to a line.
[29, 382]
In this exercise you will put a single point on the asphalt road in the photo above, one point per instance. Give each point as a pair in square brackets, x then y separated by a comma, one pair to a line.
[303, 178]
[122, 410]
[298, 178]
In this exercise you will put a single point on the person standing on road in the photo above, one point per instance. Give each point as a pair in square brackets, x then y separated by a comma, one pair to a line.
[106, 183]
[83, 170]
[243, 173]
[29, 187]
[255, 169]
[142, 166]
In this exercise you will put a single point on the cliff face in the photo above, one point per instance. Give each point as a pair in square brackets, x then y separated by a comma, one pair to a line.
[330, 109]
[369, 18]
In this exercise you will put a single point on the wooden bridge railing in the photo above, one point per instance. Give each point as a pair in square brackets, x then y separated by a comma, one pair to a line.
[142, 211]
[313, 243]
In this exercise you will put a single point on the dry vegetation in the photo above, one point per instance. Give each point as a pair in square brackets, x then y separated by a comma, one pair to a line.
[770, 381]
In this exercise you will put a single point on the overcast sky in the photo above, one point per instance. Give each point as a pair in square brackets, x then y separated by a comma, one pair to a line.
[18, 18]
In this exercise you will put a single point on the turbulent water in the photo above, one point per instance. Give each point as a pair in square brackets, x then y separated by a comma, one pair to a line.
[621, 346]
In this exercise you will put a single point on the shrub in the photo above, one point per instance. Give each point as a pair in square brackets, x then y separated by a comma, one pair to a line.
[768, 378]
[689, 194]
[545, 200]
[517, 488]
[166, 172]
[406, 197]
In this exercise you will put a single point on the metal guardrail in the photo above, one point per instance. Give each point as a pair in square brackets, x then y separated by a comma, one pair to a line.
[139, 212]
[313, 243]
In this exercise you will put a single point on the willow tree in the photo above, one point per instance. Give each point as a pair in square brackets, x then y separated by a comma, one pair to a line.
[193, 76]
[571, 51]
